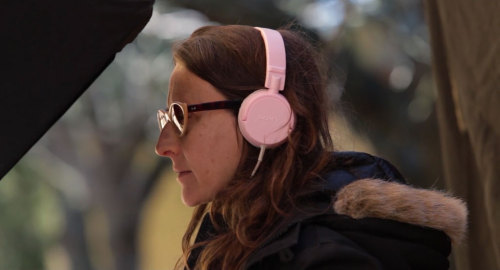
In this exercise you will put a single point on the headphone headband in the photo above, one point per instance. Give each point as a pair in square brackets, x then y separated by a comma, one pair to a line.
[276, 59]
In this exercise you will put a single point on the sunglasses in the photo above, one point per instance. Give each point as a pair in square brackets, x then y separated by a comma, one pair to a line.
[178, 112]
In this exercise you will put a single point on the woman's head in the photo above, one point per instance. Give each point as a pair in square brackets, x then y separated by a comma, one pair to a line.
[229, 63]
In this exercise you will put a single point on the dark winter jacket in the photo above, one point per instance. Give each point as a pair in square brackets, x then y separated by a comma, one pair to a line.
[373, 220]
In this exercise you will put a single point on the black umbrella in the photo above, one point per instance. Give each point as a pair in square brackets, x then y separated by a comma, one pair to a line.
[51, 52]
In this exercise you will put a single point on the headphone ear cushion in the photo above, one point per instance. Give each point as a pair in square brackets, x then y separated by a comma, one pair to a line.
[265, 118]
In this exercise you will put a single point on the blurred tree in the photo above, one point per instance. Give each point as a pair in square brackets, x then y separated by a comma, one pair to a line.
[259, 12]
[466, 60]
[22, 227]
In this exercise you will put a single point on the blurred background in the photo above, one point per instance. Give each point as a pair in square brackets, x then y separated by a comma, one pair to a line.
[92, 195]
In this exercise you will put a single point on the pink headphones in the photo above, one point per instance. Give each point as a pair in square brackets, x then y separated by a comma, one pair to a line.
[265, 117]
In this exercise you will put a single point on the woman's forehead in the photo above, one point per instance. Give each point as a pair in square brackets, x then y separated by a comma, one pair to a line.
[187, 87]
[180, 84]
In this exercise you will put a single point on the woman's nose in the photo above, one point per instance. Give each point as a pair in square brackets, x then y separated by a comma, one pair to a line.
[168, 142]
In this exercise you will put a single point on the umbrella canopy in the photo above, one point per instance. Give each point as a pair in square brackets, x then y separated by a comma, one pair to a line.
[51, 52]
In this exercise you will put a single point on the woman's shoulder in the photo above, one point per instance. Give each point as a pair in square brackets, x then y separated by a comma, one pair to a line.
[341, 242]
[307, 245]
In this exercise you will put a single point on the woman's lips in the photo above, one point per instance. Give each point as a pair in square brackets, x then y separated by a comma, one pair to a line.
[183, 174]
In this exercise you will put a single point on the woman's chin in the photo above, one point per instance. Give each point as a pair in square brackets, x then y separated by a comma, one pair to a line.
[189, 199]
[189, 203]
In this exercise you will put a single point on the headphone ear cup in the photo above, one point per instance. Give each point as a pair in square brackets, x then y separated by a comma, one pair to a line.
[265, 118]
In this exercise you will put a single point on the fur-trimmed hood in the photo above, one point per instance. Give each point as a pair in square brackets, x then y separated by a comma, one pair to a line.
[370, 187]
[382, 199]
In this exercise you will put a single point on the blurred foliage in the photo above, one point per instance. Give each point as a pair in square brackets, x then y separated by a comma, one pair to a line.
[92, 195]
[30, 219]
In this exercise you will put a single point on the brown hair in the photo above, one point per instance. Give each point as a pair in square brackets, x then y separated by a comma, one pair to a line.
[232, 58]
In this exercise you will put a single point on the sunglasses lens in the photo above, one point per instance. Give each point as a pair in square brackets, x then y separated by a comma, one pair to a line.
[178, 116]
[162, 119]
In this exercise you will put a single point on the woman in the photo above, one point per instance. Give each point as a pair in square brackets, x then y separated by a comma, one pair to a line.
[300, 205]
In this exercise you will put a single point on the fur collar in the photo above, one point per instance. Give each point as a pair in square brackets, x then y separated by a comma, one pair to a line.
[390, 200]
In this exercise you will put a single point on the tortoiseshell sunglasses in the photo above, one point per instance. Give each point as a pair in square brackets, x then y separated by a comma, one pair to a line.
[177, 112]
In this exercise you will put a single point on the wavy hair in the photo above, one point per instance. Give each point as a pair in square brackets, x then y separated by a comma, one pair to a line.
[247, 212]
